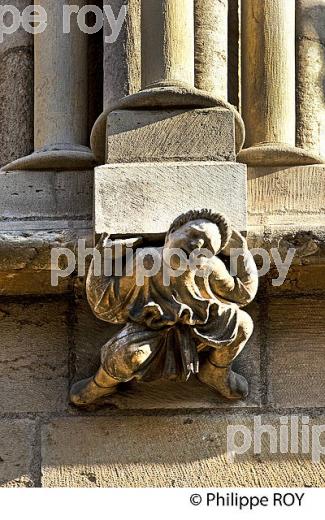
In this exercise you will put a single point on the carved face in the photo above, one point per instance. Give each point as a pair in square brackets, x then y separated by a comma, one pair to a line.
[197, 234]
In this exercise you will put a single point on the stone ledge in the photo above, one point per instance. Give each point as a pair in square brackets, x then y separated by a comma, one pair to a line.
[25, 260]
[178, 451]
[25, 256]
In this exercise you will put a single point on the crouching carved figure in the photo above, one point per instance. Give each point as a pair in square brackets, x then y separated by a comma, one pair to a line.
[190, 322]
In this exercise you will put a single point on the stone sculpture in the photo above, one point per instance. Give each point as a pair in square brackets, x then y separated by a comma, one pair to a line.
[185, 317]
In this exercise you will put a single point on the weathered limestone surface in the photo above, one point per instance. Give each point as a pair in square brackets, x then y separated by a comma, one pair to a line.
[170, 135]
[296, 342]
[33, 357]
[286, 195]
[311, 75]
[146, 197]
[16, 91]
[90, 334]
[268, 85]
[60, 97]
[122, 58]
[211, 46]
[44, 195]
[16, 453]
[306, 273]
[25, 259]
[182, 451]
[268, 71]
[167, 30]
[60, 74]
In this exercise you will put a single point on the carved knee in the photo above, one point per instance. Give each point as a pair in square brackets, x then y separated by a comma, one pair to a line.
[124, 363]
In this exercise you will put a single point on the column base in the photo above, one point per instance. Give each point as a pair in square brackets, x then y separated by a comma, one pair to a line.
[277, 154]
[63, 157]
[160, 97]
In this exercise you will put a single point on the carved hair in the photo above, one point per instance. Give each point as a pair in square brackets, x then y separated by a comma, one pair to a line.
[205, 214]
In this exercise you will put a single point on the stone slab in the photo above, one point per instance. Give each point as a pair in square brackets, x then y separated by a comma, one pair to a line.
[182, 451]
[286, 195]
[33, 357]
[146, 197]
[296, 345]
[90, 334]
[205, 134]
[16, 453]
[32, 196]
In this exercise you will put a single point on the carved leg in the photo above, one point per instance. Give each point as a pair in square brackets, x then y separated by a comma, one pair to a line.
[88, 391]
[216, 370]
[121, 361]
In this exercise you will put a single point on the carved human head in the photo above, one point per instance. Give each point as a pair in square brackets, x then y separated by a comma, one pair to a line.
[199, 229]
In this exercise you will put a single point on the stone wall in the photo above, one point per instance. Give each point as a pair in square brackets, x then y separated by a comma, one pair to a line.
[158, 434]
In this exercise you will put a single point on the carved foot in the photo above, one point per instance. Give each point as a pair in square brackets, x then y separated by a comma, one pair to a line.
[223, 380]
[87, 391]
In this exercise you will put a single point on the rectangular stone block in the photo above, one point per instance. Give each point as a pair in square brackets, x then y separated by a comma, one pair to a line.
[296, 344]
[286, 195]
[180, 451]
[33, 357]
[170, 135]
[16, 453]
[90, 334]
[146, 197]
[28, 198]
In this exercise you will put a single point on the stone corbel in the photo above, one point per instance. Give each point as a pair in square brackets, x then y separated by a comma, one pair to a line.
[182, 317]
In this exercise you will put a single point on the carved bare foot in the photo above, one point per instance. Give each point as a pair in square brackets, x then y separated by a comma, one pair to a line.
[223, 380]
[87, 391]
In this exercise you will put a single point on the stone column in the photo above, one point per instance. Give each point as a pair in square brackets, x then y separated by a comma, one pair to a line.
[122, 68]
[211, 46]
[60, 95]
[167, 70]
[16, 90]
[122, 59]
[167, 42]
[268, 83]
[311, 75]
[170, 137]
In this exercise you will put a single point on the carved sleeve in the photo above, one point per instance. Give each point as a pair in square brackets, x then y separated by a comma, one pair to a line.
[108, 291]
[241, 288]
